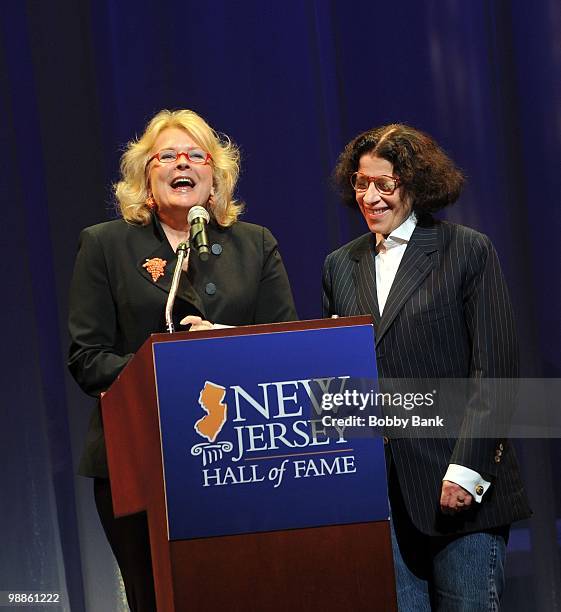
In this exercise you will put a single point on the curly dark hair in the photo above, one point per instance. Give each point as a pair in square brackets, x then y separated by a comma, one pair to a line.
[427, 174]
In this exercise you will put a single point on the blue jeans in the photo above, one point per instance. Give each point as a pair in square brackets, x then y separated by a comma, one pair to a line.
[449, 574]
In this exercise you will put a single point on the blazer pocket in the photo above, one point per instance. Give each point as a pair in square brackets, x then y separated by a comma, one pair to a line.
[435, 314]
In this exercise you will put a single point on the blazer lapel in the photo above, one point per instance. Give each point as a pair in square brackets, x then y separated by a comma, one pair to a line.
[158, 248]
[365, 278]
[418, 260]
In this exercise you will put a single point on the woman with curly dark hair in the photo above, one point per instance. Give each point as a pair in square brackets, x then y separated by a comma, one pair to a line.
[427, 176]
[441, 310]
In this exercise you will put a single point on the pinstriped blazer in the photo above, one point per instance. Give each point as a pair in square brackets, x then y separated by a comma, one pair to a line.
[447, 315]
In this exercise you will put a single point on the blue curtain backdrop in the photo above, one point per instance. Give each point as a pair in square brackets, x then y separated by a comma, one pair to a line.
[291, 82]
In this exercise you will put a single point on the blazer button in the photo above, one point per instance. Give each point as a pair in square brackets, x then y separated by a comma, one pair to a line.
[501, 447]
[498, 453]
[479, 490]
[210, 288]
[497, 459]
[216, 248]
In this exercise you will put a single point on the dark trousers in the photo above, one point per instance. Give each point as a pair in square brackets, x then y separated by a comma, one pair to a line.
[129, 540]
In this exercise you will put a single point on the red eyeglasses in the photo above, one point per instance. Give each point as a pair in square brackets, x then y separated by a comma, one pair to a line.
[195, 155]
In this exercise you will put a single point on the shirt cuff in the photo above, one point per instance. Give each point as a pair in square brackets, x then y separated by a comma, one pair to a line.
[470, 480]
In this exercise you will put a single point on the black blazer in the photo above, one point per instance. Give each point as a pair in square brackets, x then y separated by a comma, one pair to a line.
[447, 315]
[115, 304]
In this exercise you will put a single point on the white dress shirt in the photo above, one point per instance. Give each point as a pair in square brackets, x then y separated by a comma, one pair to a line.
[389, 252]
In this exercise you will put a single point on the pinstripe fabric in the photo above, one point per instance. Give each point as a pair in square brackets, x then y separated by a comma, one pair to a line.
[447, 315]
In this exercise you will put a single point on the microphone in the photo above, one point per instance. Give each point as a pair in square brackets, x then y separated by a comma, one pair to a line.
[197, 218]
[182, 253]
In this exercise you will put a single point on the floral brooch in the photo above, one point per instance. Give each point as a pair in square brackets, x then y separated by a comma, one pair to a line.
[155, 267]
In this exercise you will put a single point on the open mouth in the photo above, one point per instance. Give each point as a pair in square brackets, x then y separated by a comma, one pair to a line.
[182, 183]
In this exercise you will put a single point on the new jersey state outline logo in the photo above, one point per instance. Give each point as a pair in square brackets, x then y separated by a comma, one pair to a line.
[211, 399]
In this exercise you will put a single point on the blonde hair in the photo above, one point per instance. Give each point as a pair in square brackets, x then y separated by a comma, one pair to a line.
[131, 191]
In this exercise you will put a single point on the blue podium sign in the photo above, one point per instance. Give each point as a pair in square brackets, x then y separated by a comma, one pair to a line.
[243, 444]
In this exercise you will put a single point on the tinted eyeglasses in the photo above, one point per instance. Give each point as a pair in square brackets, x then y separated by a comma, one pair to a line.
[385, 184]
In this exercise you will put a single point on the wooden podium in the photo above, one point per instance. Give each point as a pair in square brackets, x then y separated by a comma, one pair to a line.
[326, 567]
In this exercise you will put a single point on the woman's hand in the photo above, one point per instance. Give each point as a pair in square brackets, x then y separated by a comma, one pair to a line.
[454, 498]
[196, 323]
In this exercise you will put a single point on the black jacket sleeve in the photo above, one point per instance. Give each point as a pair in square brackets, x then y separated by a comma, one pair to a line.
[274, 299]
[94, 359]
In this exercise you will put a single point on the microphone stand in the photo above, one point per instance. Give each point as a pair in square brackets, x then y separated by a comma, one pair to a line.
[182, 252]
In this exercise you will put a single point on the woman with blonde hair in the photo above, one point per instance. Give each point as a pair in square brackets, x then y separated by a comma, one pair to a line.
[122, 279]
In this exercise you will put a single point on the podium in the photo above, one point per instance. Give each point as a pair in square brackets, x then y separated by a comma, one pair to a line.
[253, 502]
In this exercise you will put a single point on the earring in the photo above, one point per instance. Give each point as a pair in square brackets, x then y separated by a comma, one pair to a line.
[151, 203]
[211, 197]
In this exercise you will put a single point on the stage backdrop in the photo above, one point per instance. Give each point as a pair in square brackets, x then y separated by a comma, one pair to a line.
[291, 82]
